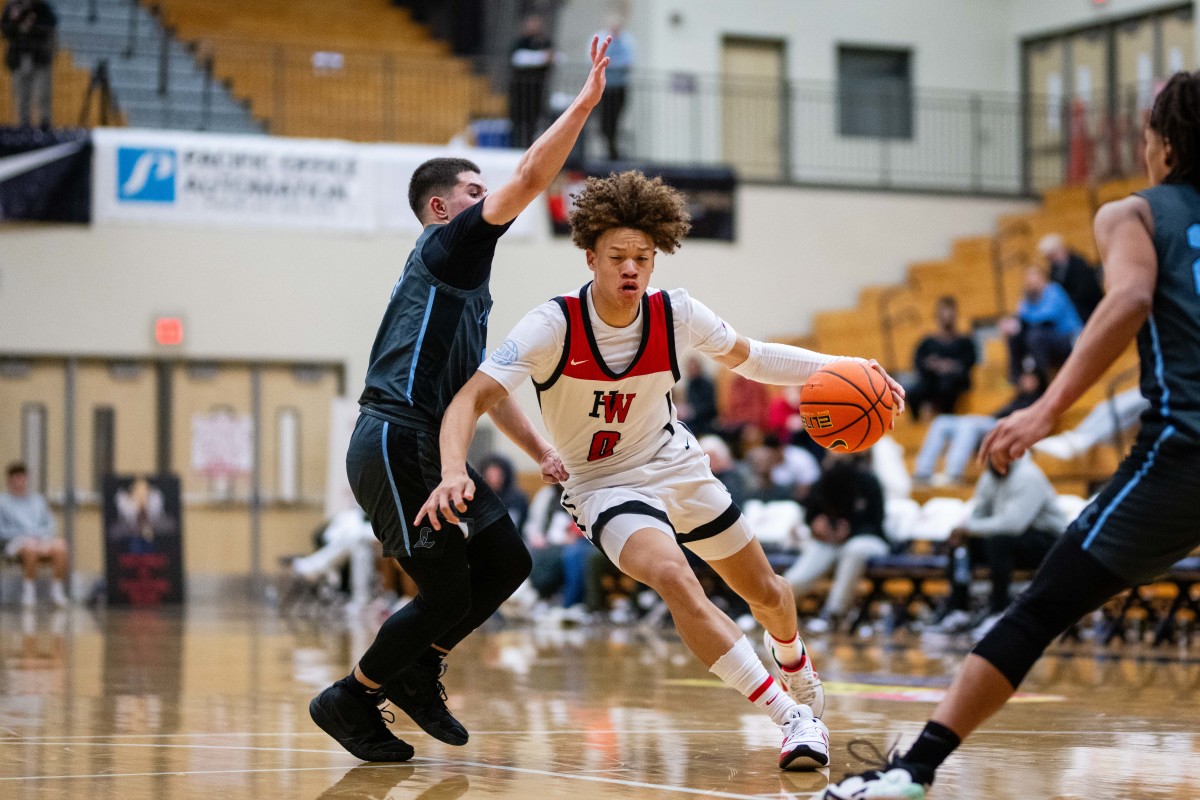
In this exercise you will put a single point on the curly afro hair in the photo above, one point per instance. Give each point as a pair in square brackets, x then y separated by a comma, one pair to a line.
[630, 200]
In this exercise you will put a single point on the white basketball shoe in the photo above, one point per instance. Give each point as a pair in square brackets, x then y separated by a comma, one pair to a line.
[801, 682]
[805, 742]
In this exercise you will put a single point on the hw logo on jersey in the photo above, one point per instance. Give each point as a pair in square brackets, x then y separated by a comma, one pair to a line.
[615, 405]
[616, 408]
[146, 174]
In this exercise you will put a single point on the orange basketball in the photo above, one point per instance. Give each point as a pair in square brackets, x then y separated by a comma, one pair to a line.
[846, 406]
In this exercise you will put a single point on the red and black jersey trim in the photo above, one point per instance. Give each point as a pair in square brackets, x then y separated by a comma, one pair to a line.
[566, 352]
[581, 357]
[586, 318]
[669, 316]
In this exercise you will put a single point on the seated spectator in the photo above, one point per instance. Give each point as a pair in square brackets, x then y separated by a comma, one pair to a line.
[795, 468]
[781, 471]
[784, 423]
[887, 462]
[1073, 273]
[1015, 521]
[942, 362]
[845, 512]
[699, 409]
[560, 551]
[960, 434]
[1102, 424]
[346, 539]
[1044, 328]
[735, 476]
[783, 414]
[745, 406]
[761, 462]
[500, 476]
[27, 534]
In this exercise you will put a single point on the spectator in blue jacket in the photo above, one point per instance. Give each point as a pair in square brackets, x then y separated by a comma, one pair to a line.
[1044, 329]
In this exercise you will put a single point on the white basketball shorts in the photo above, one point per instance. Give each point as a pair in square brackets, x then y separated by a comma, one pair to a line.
[675, 493]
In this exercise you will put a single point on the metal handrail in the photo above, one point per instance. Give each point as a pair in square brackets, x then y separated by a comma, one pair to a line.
[888, 320]
[999, 267]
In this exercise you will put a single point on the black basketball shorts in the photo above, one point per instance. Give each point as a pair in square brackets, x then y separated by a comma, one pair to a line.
[393, 468]
[1147, 518]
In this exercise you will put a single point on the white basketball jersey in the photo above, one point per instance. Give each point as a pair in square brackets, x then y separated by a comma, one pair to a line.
[604, 422]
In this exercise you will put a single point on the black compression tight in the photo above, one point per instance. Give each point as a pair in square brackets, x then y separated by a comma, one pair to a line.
[1070, 583]
[458, 591]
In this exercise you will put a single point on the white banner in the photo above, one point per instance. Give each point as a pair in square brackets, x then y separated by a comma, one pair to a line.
[396, 164]
[213, 179]
[222, 444]
[172, 177]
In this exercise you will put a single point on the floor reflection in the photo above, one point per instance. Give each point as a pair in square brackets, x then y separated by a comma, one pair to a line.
[211, 701]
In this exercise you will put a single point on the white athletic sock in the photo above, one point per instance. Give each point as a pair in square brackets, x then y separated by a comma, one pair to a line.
[741, 669]
[789, 654]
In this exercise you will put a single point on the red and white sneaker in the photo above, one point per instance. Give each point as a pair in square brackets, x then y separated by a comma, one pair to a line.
[801, 681]
[805, 742]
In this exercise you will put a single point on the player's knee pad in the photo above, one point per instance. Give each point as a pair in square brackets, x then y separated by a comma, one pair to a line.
[1014, 644]
[1069, 584]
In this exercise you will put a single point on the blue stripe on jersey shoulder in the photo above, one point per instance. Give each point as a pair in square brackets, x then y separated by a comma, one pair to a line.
[416, 356]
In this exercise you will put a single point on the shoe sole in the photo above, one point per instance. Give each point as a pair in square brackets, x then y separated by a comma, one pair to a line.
[442, 735]
[403, 750]
[804, 758]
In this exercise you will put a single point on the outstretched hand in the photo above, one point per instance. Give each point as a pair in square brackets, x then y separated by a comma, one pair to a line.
[449, 499]
[552, 467]
[894, 385]
[593, 87]
[1013, 435]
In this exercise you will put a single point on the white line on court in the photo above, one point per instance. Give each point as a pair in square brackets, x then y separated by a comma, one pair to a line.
[899, 727]
[428, 761]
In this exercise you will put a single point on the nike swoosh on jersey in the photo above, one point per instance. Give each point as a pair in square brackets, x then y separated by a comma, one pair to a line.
[575, 363]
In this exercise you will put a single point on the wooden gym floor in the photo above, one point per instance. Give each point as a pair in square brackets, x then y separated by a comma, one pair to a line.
[210, 701]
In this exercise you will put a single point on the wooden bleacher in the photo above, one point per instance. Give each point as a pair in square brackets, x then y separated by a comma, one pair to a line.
[395, 81]
[68, 87]
[1160, 612]
[889, 320]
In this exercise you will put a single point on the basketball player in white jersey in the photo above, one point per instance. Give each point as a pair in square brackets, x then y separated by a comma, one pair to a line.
[604, 361]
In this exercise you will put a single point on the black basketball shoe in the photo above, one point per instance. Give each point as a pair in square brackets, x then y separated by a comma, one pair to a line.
[357, 725]
[417, 690]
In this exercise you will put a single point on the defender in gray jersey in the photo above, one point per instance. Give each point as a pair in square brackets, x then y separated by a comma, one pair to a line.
[1146, 519]
[429, 343]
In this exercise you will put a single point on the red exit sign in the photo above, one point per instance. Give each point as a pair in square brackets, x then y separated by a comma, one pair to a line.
[168, 331]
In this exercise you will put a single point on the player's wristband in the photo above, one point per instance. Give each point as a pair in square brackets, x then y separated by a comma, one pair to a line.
[781, 364]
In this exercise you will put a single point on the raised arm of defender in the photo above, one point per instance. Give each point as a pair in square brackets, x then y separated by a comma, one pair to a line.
[545, 157]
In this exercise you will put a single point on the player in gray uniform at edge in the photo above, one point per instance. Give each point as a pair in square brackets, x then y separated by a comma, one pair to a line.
[1145, 520]
[430, 342]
